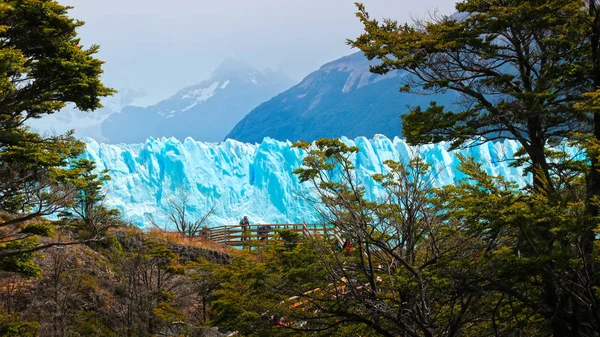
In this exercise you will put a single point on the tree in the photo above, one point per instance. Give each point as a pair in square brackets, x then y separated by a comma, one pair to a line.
[468, 259]
[75, 192]
[407, 274]
[177, 214]
[518, 66]
[43, 67]
[205, 283]
[87, 212]
[525, 70]
[549, 278]
[152, 284]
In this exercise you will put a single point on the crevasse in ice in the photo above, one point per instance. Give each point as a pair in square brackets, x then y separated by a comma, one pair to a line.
[256, 179]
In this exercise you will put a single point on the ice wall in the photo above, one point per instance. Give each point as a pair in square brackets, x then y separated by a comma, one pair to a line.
[255, 179]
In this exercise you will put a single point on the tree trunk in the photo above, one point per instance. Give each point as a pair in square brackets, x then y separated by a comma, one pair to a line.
[542, 182]
[203, 309]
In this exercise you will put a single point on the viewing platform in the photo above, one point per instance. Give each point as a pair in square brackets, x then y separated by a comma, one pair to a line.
[236, 236]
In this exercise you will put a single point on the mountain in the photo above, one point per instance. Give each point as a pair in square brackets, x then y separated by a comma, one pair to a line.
[205, 111]
[256, 179]
[342, 98]
[86, 124]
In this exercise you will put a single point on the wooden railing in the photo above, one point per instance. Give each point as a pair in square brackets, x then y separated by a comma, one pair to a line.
[236, 236]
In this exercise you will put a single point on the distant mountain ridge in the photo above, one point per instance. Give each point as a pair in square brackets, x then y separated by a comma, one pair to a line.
[342, 98]
[206, 111]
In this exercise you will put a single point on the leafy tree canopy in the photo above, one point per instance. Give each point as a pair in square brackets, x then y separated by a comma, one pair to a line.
[43, 67]
[518, 66]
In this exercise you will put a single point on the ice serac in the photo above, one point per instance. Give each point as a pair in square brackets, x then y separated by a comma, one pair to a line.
[256, 179]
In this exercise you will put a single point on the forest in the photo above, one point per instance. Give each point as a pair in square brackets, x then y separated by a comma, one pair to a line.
[483, 257]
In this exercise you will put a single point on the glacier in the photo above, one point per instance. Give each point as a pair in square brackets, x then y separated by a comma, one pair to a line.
[256, 179]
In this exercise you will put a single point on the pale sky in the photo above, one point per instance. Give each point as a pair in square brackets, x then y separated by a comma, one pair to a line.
[162, 46]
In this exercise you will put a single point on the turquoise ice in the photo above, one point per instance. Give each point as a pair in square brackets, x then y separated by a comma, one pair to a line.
[256, 179]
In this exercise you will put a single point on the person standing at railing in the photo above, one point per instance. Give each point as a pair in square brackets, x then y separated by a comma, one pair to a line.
[245, 223]
[205, 233]
[263, 232]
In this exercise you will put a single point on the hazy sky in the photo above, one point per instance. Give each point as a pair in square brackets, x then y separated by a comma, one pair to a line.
[161, 46]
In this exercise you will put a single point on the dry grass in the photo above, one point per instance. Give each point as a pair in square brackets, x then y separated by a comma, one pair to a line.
[195, 242]
[11, 283]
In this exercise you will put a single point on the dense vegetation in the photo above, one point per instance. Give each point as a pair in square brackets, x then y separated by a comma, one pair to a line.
[482, 258]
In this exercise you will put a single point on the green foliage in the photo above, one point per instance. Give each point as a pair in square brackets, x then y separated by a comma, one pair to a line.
[326, 157]
[290, 238]
[86, 211]
[11, 327]
[41, 47]
[518, 67]
[465, 255]
[89, 324]
[4, 6]
[528, 71]
[164, 258]
[418, 123]
[242, 296]
[21, 263]
[165, 312]
[480, 258]
[110, 245]
[43, 67]
[41, 229]
[64, 71]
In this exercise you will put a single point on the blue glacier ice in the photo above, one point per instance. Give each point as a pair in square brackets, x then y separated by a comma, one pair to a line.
[256, 179]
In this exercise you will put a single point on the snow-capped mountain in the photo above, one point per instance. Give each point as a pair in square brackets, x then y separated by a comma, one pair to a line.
[206, 111]
[342, 98]
[256, 179]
